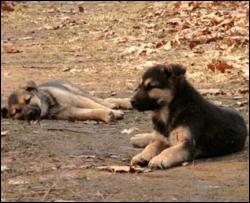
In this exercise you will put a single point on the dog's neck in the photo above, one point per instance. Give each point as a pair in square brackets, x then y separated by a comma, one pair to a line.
[160, 120]
[47, 102]
[164, 117]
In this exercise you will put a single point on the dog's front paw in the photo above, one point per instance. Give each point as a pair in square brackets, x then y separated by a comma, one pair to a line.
[108, 117]
[140, 160]
[159, 162]
[118, 114]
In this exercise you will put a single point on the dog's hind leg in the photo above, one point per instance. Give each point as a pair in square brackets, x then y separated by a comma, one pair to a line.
[119, 103]
[142, 140]
[82, 114]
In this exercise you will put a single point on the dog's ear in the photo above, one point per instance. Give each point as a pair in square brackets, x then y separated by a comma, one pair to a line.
[174, 70]
[30, 86]
[4, 111]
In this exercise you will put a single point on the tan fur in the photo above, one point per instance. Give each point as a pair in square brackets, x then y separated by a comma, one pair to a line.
[70, 103]
[144, 139]
[179, 135]
[149, 152]
[163, 95]
[119, 103]
[147, 82]
[81, 114]
[175, 153]
[161, 114]
[170, 157]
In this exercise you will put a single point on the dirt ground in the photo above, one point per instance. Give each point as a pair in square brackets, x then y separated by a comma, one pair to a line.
[95, 45]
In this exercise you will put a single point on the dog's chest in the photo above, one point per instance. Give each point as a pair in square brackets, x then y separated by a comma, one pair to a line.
[160, 121]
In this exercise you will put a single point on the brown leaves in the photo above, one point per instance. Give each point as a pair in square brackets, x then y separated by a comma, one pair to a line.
[10, 48]
[123, 169]
[168, 46]
[196, 24]
[7, 6]
[64, 21]
[219, 65]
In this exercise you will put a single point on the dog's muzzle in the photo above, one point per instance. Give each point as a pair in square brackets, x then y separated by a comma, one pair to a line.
[32, 113]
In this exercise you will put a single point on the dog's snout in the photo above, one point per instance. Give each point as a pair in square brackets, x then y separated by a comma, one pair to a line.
[32, 113]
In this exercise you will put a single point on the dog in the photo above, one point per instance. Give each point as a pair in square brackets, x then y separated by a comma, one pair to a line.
[61, 100]
[186, 126]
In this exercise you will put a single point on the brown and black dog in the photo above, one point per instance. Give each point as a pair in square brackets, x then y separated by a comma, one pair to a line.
[61, 100]
[186, 126]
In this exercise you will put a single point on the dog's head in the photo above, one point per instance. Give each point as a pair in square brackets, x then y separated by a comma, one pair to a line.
[23, 104]
[158, 87]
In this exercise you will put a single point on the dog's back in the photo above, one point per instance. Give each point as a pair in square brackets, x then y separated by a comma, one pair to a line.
[224, 132]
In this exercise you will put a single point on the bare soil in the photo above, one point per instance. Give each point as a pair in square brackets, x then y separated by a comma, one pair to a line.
[57, 160]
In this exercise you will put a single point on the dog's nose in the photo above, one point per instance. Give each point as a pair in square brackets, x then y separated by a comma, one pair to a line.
[30, 115]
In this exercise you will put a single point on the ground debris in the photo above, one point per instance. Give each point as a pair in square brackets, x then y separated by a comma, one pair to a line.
[123, 169]
[4, 168]
[210, 91]
[10, 49]
[129, 131]
[4, 133]
[220, 65]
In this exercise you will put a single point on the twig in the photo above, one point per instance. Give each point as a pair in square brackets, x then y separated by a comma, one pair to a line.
[63, 129]
[47, 192]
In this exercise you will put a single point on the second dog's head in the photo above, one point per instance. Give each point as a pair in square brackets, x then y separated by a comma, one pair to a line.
[23, 104]
[158, 87]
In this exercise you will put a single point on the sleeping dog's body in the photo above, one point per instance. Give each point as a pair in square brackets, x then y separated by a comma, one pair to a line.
[186, 126]
[60, 100]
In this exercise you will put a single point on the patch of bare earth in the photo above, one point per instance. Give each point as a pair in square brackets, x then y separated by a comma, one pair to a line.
[105, 47]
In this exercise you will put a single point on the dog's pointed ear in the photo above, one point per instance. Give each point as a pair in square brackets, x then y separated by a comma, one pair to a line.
[175, 70]
[4, 111]
[30, 86]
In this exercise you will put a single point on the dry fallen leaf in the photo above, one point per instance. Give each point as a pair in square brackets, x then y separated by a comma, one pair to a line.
[7, 6]
[160, 43]
[129, 131]
[81, 9]
[242, 103]
[4, 168]
[4, 133]
[218, 103]
[219, 65]
[17, 182]
[168, 46]
[210, 91]
[10, 48]
[123, 169]
[243, 91]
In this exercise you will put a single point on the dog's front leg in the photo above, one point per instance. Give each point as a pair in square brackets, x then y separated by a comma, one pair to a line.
[148, 153]
[172, 156]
